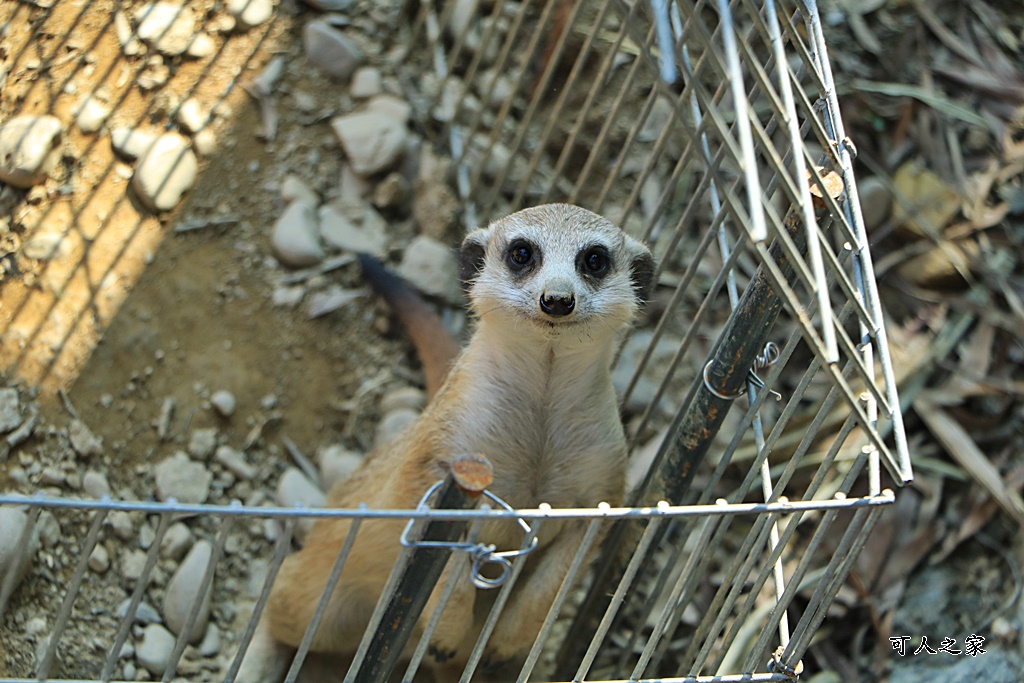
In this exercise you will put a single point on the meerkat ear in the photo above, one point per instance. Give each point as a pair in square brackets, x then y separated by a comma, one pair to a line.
[471, 256]
[641, 268]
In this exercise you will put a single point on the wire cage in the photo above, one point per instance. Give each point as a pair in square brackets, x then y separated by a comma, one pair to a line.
[760, 402]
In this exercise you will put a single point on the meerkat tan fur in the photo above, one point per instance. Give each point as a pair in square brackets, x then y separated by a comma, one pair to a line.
[554, 288]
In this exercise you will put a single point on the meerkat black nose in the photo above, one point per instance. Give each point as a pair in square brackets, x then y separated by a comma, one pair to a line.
[557, 304]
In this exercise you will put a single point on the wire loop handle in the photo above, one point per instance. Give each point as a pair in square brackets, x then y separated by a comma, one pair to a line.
[480, 553]
[768, 357]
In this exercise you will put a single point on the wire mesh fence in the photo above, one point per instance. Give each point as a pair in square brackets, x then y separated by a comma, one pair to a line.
[760, 404]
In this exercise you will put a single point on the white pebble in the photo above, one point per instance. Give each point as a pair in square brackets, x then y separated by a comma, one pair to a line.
[294, 189]
[10, 409]
[165, 172]
[131, 142]
[147, 534]
[235, 462]
[35, 626]
[145, 613]
[99, 559]
[330, 50]
[250, 13]
[393, 424]
[390, 106]
[167, 26]
[210, 644]
[182, 479]
[51, 476]
[154, 75]
[95, 484]
[331, 299]
[205, 142]
[340, 232]
[154, 652]
[296, 239]
[223, 402]
[49, 529]
[182, 592]
[288, 297]
[132, 564]
[26, 144]
[337, 463]
[130, 44]
[176, 541]
[191, 116]
[202, 45]
[44, 245]
[373, 141]
[366, 82]
[85, 443]
[120, 522]
[406, 397]
[295, 488]
[91, 114]
[202, 442]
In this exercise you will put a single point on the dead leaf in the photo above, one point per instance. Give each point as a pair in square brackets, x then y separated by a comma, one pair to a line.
[980, 515]
[975, 361]
[962, 448]
[925, 204]
[933, 98]
[946, 265]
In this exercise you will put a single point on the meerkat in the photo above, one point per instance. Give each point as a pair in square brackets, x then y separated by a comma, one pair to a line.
[553, 289]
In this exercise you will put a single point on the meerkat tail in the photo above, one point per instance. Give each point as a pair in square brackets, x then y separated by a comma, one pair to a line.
[434, 345]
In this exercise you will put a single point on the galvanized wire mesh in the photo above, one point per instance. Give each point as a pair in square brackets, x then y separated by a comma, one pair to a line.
[703, 128]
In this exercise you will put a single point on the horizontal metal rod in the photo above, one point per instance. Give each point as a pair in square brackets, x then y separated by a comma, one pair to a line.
[737, 678]
[661, 510]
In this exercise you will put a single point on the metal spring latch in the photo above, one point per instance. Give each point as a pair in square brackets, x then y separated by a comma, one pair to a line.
[480, 553]
[775, 665]
[770, 356]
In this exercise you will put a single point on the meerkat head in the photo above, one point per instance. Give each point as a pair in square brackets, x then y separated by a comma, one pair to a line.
[558, 267]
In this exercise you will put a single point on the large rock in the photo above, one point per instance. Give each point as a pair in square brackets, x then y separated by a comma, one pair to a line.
[26, 143]
[373, 142]
[165, 172]
[183, 591]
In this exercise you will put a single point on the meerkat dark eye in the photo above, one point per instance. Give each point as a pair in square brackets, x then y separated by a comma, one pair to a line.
[520, 255]
[594, 261]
